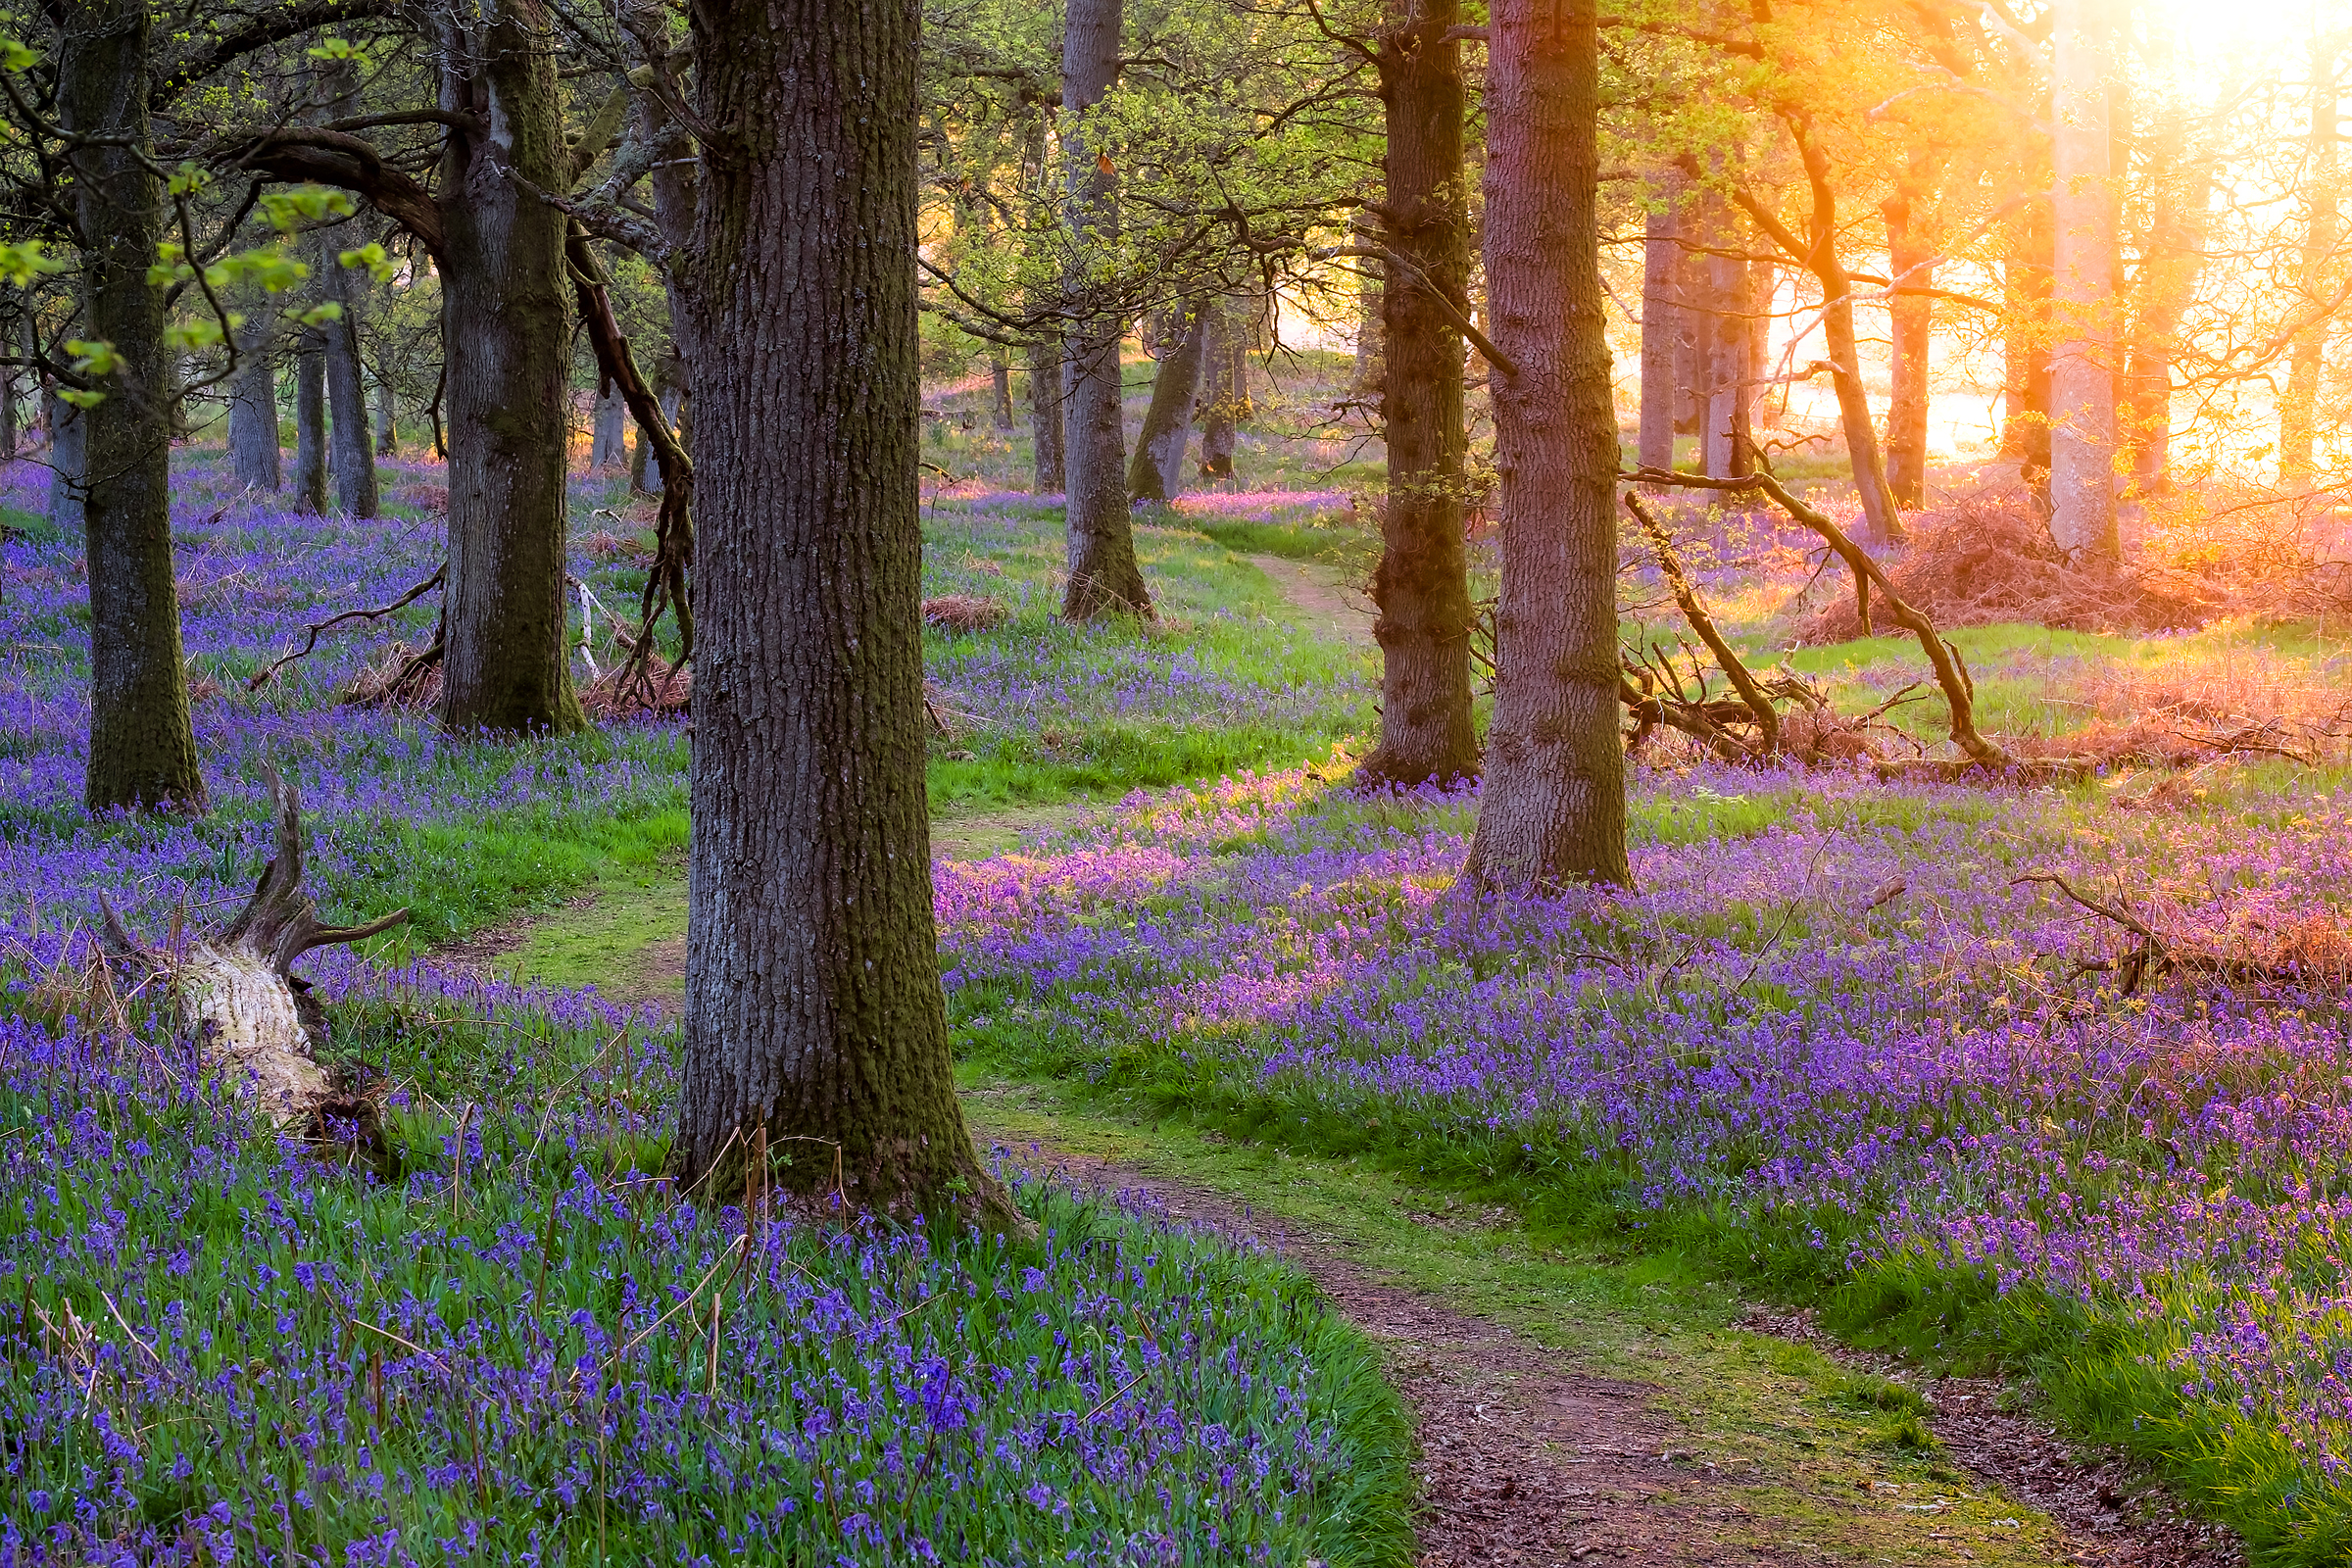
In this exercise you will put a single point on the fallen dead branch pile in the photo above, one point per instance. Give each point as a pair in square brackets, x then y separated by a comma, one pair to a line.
[1990, 559]
[962, 612]
[2311, 950]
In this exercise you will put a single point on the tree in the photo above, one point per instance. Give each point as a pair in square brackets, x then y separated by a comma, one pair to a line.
[310, 419]
[2082, 202]
[2321, 233]
[142, 738]
[1422, 586]
[1104, 576]
[815, 1021]
[1662, 325]
[1553, 812]
[253, 450]
[1157, 471]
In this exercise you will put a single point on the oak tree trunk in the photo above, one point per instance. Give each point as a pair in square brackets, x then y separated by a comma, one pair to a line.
[66, 466]
[1000, 390]
[2298, 404]
[1046, 387]
[1421, 588]
[1222, 398]
[310, 420]
[1911, 260]
[815, 1027]
[608, 443]
[1729, 372]
[2026, 349]
[1662, 326]
[1553, 812]
[1104, 576]
[504, 318]
[1157, 471]
[2082, 200]
[2172, 257]
[10, 417]
[254, 454]
[350, 453]
[142, 742]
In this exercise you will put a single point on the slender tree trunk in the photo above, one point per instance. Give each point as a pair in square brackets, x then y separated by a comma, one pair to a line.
[505, 319]
[253, 449]
[1371, 337]
[1045, 416]
[607, 446]
[388, 420]
[310, 421]
[1422, 586]
[1157, 471]
[1104, 576]
[1662, 325]
[2025, 350]
[1000, 390]
[641, 467]
[1759, 284]
[1553, 811]
[814, 1022]
[2172, 257]
[9, 416]
[350, 453]
[142, 741]
[2298, 405]
[1911, 257]
[1220, 392]
[68, 468]
[2082, 199]
[1729, 372]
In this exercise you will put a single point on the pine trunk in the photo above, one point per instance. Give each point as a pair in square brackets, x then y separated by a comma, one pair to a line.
[505, 319]
[1553, 811]
[1104, 576]
[142, 741]
[1662, 328]
[2082, 199]
[1911, 260]
[310, 421]
[1157, 471]
[1045, 416]
[814, 1022]
[1422, 587]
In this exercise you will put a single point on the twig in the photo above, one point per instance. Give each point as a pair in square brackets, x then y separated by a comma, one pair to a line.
[378, 614]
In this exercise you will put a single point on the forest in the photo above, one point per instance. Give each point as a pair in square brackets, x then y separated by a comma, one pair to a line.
[1332, 783]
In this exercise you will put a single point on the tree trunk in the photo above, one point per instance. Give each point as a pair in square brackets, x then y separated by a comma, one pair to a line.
[388, 420]
[1759, 285]
[1000, 390]
[310, 420]
[253, 449]
[351, 454]
[1103, 577]
[2026, 349]
[815, 1021]
[1422, 586]
[1045, 416]
[66, 465]
[607, 445]
[1157, 471]
[1553, 811]
[1728, 372]
[1371, 334]
[641, 468]
[9, 416]
[1662, 326]
[505, 340]
[1220, 392]
[2322, 225]
[2082, 200]
[142, 742]
[2172, 257]
[1911, 262]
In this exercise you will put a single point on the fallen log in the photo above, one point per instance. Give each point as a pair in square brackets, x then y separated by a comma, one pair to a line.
[254, 1017]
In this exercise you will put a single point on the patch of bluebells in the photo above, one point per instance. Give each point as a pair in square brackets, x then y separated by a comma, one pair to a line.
[221, 1346]
[1931, 1088]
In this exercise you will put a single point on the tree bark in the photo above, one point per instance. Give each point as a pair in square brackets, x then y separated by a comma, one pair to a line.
[1662, 325]
[1553, 811]
[253, 451]
[1045, 416]
[2026, 349]
[815, 1021]
[67, 465]
[10, 419]
[1104, 576]
[310, 420]
[1911, 254]
[607, 446]
[2082, 198]
[1725, 447]
[351, 453]
[1371, 337]
[388, 420]
[1157, 471]
[1000, 390]
[1221, 396]
[142, 741]
[2171, 258]
[2298, 404]
[504, 320]
[1422, 586]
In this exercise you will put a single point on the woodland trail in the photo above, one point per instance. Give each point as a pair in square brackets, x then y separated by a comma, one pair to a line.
[1338, 609]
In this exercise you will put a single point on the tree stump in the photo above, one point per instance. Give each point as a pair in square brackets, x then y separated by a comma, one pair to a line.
[254, 1016]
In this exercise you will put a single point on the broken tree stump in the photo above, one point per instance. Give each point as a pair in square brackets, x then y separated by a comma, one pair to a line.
[254, 1017]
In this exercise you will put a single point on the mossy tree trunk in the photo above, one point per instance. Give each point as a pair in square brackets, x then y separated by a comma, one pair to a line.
[505, 320]
[253, 451]
[1157, 471]
[310, 420]
[1045, 386]
[1553, 811]
[142, 742]
[816, 1028]
[1422, 586]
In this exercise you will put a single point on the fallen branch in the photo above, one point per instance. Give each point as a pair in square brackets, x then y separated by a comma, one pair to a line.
[311, 641]
[2155, 956]
[1686, 598]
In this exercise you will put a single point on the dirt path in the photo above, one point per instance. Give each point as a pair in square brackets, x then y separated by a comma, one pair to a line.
[1316, 592]
[1528, 1463]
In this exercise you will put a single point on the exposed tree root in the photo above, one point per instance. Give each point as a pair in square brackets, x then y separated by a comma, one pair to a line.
[255, 1019]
